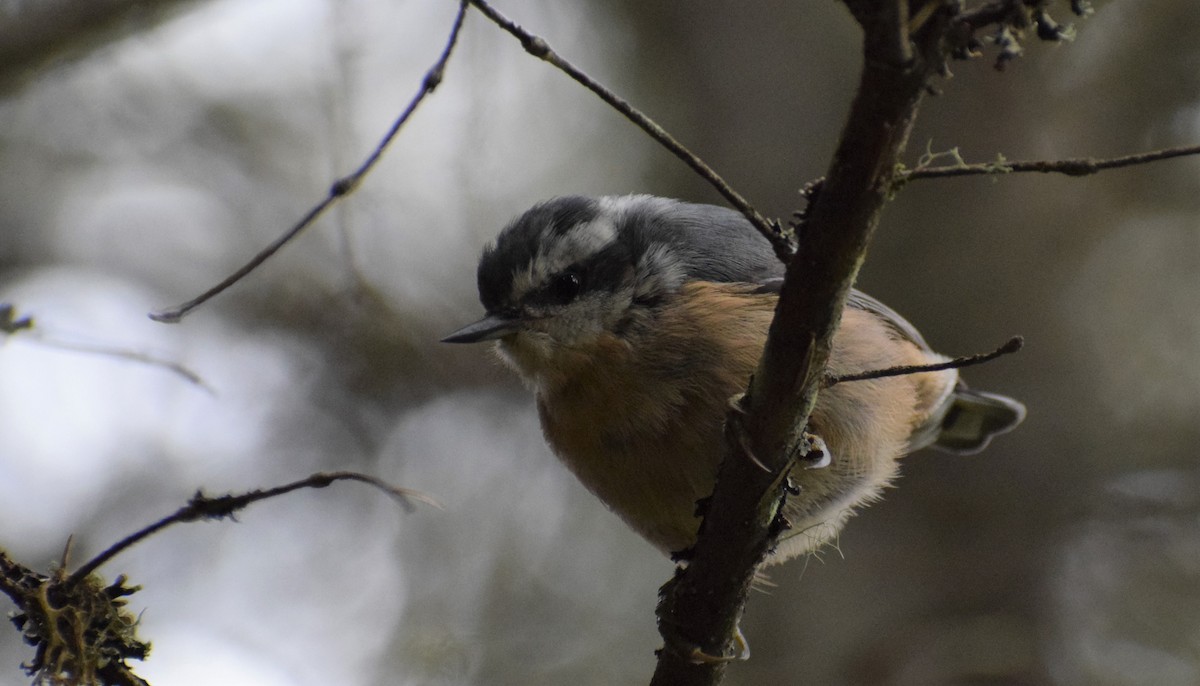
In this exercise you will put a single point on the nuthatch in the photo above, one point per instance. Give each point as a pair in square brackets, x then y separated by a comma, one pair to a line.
[636, 319]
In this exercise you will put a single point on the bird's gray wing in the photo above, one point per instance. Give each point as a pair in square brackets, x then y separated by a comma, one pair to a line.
[714, 243]
[719, 244]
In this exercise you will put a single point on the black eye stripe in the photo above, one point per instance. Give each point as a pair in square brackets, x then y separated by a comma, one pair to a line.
[607, 269]
[519, 243]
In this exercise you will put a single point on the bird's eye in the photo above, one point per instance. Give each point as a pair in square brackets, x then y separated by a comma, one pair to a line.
[564, 287]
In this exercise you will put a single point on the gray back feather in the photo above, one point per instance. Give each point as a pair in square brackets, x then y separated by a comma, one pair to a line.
[715, 243]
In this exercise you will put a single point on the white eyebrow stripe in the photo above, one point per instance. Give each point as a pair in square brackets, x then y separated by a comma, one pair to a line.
[557, 252]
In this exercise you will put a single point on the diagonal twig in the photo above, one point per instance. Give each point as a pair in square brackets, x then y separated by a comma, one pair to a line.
[538, 47]
[11, 324]
[1013, 345]
[177, 368]
[340, 188]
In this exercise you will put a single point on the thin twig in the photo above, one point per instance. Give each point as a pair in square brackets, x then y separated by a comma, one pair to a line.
[205, 507]
[538, 47]
[10, 325]
[340, 188]
[122, 354]
[1080, 166]
[1013, 345]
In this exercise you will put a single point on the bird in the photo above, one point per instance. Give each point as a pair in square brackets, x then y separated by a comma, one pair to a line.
[636, 319]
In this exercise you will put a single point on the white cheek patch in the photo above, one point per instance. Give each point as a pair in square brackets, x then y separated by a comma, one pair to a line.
[557, 252]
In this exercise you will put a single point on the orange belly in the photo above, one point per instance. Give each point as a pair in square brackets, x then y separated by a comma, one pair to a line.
[639, 418]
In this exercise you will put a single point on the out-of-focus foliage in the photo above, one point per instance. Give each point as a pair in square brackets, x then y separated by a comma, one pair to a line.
[134, 177]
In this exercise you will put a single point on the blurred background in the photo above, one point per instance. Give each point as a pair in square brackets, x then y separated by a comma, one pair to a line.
[144, 158]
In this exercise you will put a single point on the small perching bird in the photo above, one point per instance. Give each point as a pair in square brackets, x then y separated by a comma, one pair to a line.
[636, 319]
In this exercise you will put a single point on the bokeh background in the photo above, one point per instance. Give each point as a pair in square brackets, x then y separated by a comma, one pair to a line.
[142, 163]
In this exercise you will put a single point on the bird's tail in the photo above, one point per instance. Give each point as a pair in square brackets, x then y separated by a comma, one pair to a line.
[974, 417]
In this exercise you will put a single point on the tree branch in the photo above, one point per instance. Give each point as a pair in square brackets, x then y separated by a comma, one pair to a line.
[702, 605]
[222, 507]
[79, 625]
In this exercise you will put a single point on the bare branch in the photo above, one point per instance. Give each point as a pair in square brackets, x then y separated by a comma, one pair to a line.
[79, 624]
[1079, 166]
[1011, 346]
[702, 605]
[539, 48]
[220, 507]
[340, 188]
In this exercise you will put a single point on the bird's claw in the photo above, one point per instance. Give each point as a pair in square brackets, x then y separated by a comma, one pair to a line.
[741, 652]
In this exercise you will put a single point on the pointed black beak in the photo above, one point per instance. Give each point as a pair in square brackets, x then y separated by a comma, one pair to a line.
[489, 328]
